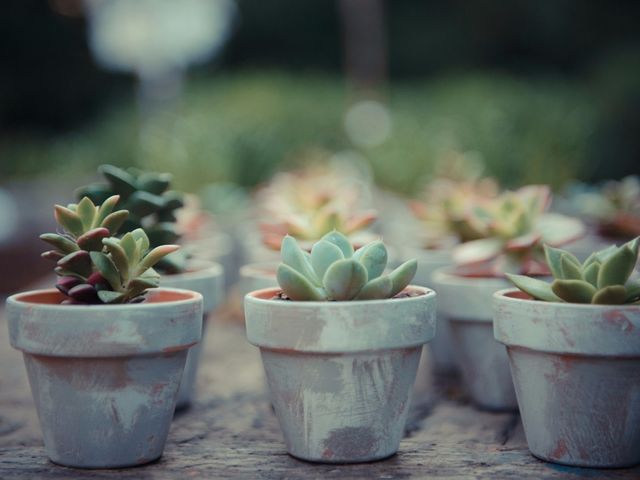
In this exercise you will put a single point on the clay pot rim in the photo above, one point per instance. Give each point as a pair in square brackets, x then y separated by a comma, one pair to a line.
[258, 297]
[209, 269]
[514, 296]
[21, 300]
[257, 269]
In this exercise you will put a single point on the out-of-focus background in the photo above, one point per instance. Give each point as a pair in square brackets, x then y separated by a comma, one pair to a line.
[226, 92]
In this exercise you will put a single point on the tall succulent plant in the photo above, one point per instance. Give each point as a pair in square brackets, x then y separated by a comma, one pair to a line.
[333, 271]
[604, 278]
[513, 227]
[93, 266]
[151, 205]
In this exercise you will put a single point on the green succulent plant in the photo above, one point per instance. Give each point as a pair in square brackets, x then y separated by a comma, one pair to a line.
[604, 278]
[150, 203]
[93, 266]
[333, 271]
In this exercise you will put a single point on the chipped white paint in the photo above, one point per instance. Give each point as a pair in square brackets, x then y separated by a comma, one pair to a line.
[341, 373]
[102, 400]
[441, 348]
[206, 278]
[576, 370]
[466, 302]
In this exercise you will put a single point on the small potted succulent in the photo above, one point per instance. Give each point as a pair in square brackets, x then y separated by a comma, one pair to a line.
[444, 214]
[514, 226]
[155, 208]
[574, 348]
[340, 345]
[105, 352]
[307, 204]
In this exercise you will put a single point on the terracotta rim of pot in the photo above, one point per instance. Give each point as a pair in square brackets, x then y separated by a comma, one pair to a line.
[466, 298]
[340, 327]
[169, 320]
[203, 276]
[566, 328]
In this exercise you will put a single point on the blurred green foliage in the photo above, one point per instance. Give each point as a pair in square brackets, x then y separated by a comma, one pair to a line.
[242, 127]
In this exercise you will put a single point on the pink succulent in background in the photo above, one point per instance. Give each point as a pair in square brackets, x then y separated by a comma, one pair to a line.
[448, 200]
[309, 203]
[513, 228]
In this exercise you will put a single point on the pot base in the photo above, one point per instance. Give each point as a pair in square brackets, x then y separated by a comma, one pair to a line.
[579, 410]
[342, 408]
[105, 412]
[485, 366]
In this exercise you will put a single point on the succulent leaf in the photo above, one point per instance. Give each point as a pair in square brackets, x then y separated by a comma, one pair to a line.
[571, 270]
[323, 254]
[92, 239]
[617, 268]
[537, 288]
[340, 241]
[573, 291]
[611, 295]
[590, 273]
[296, 286]
[293, 256]
[376, 289]
[60, 242]
[374, 258]
[69, 220]
[78, 262]
[402, 276]
[107, 269]
[344, 279]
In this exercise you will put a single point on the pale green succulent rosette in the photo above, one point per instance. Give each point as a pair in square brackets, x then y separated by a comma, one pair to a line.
[334, 271]
[604, 278]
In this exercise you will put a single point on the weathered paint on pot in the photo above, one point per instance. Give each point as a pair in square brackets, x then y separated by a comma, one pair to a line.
[104, 379]
[340, 374]
[466, 302]
[207, 278]
[217, 247]
[441, 348]
[257, 276]
[576, 370]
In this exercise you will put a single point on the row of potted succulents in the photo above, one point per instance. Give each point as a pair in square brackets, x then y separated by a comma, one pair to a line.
[340, 335]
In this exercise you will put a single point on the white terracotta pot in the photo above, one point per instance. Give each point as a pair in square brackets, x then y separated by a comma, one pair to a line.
[466, 303]
[217, 247]
[441, 348]
[257, 276]
[341, 373]
[206, 278]
[105, 378]
[576, 370]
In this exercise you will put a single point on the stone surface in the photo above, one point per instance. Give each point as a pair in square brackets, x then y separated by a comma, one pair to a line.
[231, 432]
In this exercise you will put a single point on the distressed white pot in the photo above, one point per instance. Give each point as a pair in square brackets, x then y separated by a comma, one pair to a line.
[341, 373]
[576, 370]
[217, 247]
[104, 378]
[466, 303]
[257, 276]
[441, 348]
[206, 278]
